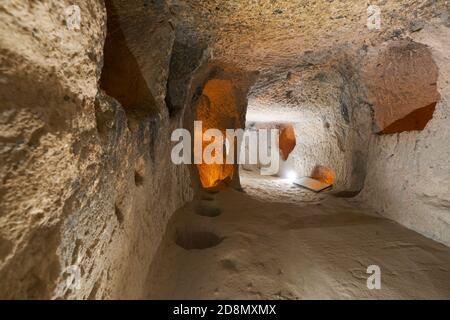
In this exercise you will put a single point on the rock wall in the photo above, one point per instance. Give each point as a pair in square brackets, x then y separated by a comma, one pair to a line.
[401, 82]
[87, 186]
[347, 109]
[333, 136]
[408, 174]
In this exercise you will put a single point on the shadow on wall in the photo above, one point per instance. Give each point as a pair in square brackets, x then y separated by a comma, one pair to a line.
[121, 76]
[416, 120]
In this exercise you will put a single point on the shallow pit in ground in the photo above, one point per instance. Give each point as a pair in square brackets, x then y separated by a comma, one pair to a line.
[207, 210]
[191, 240]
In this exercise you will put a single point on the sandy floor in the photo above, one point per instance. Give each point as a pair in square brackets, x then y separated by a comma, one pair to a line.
[263, 245]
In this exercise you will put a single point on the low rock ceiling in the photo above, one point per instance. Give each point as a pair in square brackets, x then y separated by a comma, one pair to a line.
[284, 40]
[263, 34]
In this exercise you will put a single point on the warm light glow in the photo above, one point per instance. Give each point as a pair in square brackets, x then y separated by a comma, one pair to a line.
[291, 175]
[216, 108]
[323, 174]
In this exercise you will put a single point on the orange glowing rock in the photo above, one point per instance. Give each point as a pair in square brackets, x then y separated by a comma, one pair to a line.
[216, 108]
[324, 174]
[287, 141]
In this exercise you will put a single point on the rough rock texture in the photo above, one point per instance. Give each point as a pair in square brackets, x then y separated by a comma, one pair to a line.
[84, 189]
[87, 186]
[408, 174]
[401, 82]
[269, 35]
[325, 95]
[222, 105]
[217, 109]
[324, 174]
[331, 124]
[188, 56]
[138, 47]
[274, 246]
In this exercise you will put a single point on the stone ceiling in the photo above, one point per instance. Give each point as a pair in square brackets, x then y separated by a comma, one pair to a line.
[291, 42]
[265, 34]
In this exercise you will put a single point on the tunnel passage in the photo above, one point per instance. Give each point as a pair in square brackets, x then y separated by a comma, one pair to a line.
[217, 109]
[284, 146]
[401, 78]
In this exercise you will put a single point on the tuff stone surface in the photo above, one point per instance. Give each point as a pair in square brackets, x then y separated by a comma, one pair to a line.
[87, 186]
[401, 82]
[408, 173]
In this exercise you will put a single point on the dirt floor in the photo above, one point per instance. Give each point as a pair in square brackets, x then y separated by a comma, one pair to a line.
[277, 241]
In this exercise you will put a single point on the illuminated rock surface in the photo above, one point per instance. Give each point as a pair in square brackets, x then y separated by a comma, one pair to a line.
[88, 186]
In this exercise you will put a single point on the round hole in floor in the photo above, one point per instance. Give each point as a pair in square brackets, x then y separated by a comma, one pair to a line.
[191, 240]
[208, 211]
